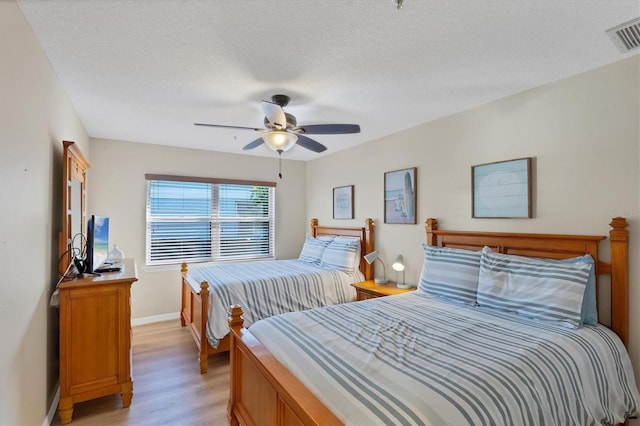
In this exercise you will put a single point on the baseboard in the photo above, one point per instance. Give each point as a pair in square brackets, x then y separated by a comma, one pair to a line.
[52, 409]
[155, 318]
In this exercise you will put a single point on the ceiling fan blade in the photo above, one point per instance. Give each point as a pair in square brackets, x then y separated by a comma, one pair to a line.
[228, 127]
[253, 144]
[309, 143]
[329, 129]
[275, 114]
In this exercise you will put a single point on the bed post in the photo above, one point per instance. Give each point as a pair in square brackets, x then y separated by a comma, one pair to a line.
[235, 325]
[619, 242]
[203, 357]
[183, 271]
[431, 225]
[313, 223]
[368, 247]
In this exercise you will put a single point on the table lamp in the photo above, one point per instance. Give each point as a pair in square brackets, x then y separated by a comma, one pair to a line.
[398, 265]
[370, 258]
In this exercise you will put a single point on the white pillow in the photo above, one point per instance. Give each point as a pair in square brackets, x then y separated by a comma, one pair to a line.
[534, 288]
[450, 273]
[314, 248]
[341, 254]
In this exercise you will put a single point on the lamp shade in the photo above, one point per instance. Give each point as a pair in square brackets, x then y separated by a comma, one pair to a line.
[398, 265]
[279, 140]
[369, 258]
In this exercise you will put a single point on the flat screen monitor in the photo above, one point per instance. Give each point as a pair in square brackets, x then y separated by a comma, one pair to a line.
[97, 242]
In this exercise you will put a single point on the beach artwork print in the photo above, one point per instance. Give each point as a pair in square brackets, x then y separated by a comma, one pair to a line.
[400, 196]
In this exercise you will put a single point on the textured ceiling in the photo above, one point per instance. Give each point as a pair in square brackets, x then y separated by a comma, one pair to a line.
[146, 70]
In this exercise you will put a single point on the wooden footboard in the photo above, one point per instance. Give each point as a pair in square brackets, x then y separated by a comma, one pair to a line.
[262, 390]
[194, 314]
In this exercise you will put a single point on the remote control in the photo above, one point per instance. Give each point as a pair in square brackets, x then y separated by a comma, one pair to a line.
[109, 269]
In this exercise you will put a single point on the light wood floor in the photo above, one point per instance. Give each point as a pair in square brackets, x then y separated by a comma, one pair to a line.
[168, 388]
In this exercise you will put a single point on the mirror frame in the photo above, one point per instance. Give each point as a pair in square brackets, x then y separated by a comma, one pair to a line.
[74, 166]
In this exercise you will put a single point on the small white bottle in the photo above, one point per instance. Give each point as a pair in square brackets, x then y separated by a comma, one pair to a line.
[116, 255]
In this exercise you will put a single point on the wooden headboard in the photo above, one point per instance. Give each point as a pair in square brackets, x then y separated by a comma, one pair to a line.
[366, 240]
[555, 246]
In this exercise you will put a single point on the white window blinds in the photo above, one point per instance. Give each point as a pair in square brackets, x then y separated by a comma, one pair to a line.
[199, 219]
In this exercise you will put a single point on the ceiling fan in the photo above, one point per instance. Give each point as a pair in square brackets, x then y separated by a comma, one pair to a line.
[281, 131]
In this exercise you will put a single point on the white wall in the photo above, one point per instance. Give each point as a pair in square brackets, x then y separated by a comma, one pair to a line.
[584, 133]
[35, 116]
[117, 188]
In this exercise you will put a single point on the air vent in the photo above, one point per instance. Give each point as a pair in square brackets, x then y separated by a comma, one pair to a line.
[626, 36]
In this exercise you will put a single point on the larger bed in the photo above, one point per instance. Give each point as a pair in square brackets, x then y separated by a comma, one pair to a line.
[266, 288]
[420, 359]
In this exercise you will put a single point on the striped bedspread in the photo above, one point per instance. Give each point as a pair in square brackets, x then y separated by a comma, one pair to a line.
[270, 287]
[414, 359]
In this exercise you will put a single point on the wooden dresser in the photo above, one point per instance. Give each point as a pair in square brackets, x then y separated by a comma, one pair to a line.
[95, 337]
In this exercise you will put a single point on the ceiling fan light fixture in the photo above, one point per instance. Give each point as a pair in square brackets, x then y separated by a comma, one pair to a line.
[279, 140]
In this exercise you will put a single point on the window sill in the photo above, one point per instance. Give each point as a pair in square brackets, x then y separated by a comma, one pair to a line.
[178, 266]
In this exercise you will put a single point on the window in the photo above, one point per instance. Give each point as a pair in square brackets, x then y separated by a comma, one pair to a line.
[200, 219]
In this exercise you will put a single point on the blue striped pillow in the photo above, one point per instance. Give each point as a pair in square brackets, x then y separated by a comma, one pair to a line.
[341, 254]
[450, 273]
[534, 288]
[589, 312]
[314, 248]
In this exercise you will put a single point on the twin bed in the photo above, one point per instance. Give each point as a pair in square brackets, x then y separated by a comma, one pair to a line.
[268, 288]
[433, 357]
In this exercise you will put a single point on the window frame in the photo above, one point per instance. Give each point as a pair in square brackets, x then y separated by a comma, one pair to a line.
[215, 219]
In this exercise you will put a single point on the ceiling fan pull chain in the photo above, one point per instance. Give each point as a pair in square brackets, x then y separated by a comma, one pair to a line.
[280, 163]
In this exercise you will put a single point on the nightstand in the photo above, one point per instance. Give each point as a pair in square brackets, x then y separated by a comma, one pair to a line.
[369, 289]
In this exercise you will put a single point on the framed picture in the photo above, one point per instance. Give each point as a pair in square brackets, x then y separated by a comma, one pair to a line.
[502, 189]
[343, 202]
[400, 196]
